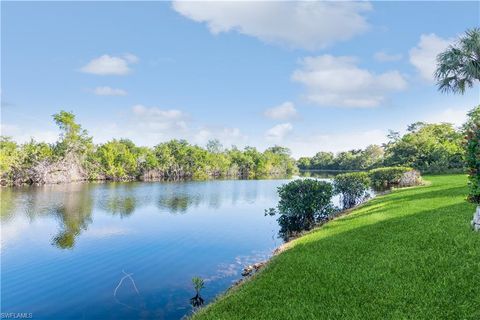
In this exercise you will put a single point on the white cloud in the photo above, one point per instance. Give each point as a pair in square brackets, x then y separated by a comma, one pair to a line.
[383, 56]
[108, 91]
[456, 116]
[279, 132]
[227, 136]
[423, 57]
[304, 24]
[338, 81]
[110, 65]
[285, 111]
[131, 58]
[22, 135]
[149, 126]
[161, 121]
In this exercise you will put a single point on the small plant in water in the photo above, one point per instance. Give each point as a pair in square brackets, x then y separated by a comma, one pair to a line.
[198, 285]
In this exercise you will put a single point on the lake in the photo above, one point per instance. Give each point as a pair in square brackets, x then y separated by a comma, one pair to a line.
[66, 250]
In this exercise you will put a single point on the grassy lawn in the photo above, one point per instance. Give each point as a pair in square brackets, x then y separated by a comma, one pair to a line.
[410, 254]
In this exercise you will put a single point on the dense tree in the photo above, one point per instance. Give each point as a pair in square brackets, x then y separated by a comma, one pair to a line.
[425, 147]
[371, 157]
[472, 131]
[73, 139]
[214, 146]
[428, 148]
[123, 160]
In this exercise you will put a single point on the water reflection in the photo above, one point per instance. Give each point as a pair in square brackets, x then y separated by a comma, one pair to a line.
[178, 203]
[72, 205]
[320, 174]
[7, 204]
[92, 235]
[122, 205]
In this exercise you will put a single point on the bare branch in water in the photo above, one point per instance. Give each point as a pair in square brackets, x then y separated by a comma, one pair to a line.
[127, 275]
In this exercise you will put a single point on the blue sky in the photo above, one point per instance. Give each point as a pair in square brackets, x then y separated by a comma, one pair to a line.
[308, 75]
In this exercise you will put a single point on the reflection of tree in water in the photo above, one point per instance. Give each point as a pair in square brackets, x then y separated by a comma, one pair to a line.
[71, 204]
[124, 205]
[178, 203]
[7, 204]
[319, 174]
[75, 214]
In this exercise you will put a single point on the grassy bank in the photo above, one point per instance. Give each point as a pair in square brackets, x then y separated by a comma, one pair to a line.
[409, 254]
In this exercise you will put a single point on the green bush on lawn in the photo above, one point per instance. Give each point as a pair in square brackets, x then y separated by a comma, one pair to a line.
[352, 187]
[388, 176]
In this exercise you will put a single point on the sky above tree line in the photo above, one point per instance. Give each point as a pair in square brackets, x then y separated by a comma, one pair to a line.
[311, 76]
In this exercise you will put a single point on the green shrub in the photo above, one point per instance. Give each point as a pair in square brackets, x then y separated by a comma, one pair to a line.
[473, 154]
[388, 176]
[352, 187]
[303, 203]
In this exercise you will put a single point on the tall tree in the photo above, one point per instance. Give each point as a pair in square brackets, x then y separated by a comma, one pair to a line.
[72, 137]
[459, 66]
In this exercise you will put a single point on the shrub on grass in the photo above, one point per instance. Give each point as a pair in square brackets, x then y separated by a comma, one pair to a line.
[303, 203]
[390, 176]
[472, 129]
[352, 187]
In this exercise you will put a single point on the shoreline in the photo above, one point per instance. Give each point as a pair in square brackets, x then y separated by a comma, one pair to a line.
[100, 181]
[258, 267]
[380, 234]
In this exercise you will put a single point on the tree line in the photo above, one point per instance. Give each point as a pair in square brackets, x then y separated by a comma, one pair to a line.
[75, 157]
[429, 148]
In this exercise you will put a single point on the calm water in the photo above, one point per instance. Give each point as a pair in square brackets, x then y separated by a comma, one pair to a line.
[66, 248]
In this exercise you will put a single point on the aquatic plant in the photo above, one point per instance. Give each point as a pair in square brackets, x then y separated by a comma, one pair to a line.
[198, 285]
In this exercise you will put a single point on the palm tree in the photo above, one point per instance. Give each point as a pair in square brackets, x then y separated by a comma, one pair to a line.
[459, 66]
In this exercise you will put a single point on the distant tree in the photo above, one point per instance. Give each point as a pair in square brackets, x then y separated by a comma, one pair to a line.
[393, 135]
[428, 148]
[9, 156]
[371, 157]
[322, 160]
[459, 66]
[72, 137]
[304, 163]
[414, 127]
[123, 160]
[279, 150]
[214, 146]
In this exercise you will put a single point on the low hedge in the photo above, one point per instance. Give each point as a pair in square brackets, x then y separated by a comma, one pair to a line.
[391, 176]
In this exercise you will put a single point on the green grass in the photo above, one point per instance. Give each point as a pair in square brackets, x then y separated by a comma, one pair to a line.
[410, 254]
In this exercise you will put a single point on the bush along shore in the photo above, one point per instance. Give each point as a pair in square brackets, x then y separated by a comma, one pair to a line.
[376, 248]
[306, 204]
[74, 157]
